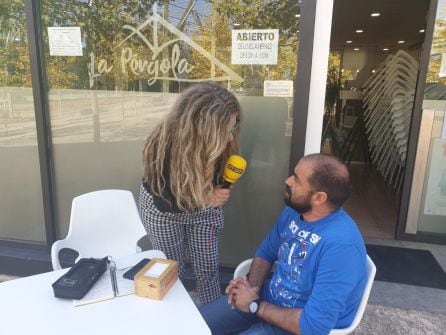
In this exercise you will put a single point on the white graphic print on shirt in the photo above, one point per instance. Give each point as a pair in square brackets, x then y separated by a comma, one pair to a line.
[287, 284]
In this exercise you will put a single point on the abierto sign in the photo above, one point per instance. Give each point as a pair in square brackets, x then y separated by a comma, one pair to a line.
[255, 46]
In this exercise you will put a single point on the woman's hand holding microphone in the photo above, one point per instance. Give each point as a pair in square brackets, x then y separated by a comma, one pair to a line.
[234, 168]
[220, 196]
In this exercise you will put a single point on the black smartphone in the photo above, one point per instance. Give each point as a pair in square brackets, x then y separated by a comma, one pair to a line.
[130, 274]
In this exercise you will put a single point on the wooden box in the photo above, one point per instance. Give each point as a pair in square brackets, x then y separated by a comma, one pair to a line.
[156, 278]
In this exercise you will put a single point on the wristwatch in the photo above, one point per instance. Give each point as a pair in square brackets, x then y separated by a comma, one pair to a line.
[254, 306]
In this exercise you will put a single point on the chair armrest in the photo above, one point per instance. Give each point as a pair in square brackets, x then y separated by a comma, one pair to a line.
[243, 268]
[55, 249]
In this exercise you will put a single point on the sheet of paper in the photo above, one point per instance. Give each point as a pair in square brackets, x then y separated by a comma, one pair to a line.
[65, 41]
[278, 88]
[443, 132]
[156, 270]
[103, 290]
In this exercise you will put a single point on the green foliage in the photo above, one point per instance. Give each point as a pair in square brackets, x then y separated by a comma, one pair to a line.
[438, 50]
[102, 21]
[255, 14]
[14, 55]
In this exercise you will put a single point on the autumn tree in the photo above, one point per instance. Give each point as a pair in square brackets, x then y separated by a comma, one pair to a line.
[215, 35]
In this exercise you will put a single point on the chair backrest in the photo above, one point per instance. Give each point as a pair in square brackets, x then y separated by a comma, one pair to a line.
[102, 223]
[243, 268]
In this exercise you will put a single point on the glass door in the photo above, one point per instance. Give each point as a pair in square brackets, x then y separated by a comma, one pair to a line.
[21, 207]
[370, 90]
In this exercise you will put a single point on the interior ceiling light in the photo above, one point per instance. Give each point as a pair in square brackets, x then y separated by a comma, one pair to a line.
[401, 42]
[421, 30]
[375, 14]
[385, 49]
[348, 42]
[356, 49]
[297, 15]
[373, 71]
[359, 31]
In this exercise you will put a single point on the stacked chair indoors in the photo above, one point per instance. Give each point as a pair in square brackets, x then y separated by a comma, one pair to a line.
[388, 107]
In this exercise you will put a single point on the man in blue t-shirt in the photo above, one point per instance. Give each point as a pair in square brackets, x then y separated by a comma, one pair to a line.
[321, 271]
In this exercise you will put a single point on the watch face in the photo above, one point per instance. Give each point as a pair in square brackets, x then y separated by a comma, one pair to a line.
[253, 307]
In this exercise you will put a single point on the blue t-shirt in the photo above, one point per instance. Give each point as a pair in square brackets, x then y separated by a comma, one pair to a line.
[321, 268]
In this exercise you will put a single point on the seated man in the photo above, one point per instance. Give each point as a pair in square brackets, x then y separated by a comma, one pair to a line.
[321, 256]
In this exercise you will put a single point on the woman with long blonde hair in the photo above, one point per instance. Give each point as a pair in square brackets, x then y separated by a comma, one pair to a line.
[180, 200]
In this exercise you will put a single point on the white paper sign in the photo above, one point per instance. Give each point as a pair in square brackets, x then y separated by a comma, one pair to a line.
[65, 41]
[443, 132]
[435, 203]
[255, 46]
[442, 72]
[278, 88]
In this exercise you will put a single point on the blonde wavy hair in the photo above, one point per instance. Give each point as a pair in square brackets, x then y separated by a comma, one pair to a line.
[193, 140]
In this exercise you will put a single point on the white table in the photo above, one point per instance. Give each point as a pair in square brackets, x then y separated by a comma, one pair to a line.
[28, 306]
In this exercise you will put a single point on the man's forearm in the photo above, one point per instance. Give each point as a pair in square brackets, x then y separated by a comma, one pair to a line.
[258, 272]
[284, 318]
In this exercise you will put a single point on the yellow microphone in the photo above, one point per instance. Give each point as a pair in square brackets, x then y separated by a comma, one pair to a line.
[234, 168]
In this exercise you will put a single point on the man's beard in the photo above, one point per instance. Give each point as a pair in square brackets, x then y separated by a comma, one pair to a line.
[301, 207]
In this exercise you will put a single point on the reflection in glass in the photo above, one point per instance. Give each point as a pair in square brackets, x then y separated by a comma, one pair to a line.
[21, 212]
[137, 57]
[432, 212]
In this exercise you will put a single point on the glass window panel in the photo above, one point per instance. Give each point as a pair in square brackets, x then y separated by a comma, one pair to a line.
[21, 211]
[136, 58]
[433, 203]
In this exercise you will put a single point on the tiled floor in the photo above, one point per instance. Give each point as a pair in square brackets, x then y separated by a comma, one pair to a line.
[373, 204]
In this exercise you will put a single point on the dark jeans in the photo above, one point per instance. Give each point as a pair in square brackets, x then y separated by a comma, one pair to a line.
[221, 319]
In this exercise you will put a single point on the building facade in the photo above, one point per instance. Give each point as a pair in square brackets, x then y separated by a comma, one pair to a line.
[83, 83]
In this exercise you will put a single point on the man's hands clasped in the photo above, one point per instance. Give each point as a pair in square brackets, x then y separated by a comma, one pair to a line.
[241, 293]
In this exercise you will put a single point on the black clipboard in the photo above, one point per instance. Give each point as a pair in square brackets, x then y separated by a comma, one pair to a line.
[130, 274]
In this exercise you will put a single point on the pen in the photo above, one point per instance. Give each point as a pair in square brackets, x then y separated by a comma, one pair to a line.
[113, 279]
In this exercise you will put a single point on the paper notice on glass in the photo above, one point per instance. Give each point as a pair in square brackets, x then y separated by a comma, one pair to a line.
[255, 46]
[442, 72]
[65, 41]
[435, 203]
[443, 132]
[278, 88]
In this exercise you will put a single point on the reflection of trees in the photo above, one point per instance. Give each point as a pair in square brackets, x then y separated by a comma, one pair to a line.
[438, 49]
[101, 25]
[102, 22]
[14, 59]
[215, 36]
[334, 81]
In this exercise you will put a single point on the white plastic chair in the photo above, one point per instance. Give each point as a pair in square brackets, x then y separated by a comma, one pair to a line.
[102, 223]
[243, 268]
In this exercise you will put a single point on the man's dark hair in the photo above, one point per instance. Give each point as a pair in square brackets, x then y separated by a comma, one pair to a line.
[330, 175]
